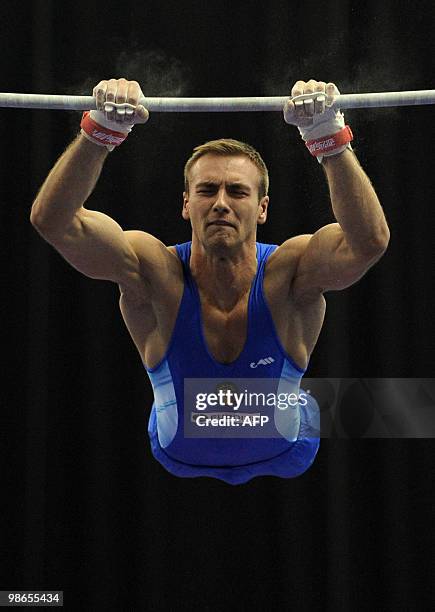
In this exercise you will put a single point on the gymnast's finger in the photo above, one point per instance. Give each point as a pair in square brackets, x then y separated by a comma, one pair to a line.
[134, 93]
[141, 115]
[298, 90]
[309, 102]
[331, 93]
[319, 100]
[99, 92]
[112, 88]
[121, 98]
[289, 111]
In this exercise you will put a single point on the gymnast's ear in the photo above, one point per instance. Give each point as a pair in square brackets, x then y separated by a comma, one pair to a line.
[262, 212]
[185, 210]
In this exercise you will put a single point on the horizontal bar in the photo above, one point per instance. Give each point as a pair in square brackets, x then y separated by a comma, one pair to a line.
[217, 105]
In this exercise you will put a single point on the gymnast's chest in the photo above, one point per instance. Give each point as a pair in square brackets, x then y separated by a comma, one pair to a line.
[225, 332]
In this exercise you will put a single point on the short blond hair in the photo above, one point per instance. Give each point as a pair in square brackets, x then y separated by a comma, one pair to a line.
[229, 146]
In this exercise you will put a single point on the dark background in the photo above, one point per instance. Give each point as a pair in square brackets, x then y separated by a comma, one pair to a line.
[85, 508]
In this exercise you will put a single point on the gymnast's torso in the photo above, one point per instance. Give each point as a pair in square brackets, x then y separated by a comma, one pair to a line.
[193, 358]
[150, 315]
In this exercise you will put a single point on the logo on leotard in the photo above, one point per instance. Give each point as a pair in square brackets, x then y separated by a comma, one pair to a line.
[264, 361]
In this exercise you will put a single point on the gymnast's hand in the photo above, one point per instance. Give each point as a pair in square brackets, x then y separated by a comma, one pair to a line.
[118, 110]
[310, 109]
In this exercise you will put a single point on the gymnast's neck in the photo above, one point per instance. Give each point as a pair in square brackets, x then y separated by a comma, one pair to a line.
[223, 272]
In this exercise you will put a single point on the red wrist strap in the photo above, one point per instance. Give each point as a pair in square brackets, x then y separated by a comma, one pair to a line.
[99, 133]
[326, 144]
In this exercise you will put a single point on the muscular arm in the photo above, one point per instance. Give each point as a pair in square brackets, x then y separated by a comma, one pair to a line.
[339, 254]
[355, 204]
[68, 186]
[89, 240]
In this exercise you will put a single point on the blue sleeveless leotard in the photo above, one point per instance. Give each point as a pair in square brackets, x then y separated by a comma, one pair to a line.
[234, 460]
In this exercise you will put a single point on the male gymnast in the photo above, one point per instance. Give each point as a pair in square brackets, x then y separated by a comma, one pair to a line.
[221, 306]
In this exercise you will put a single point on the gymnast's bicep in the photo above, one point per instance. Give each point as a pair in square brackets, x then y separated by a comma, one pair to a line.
[328, 263]
[95, 245]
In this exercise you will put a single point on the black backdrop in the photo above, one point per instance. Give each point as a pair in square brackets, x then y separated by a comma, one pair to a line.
[85, 507]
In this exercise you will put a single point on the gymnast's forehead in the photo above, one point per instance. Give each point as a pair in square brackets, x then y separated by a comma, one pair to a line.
[229, 168]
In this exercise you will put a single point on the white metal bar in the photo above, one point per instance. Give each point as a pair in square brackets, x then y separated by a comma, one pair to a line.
[184, 105]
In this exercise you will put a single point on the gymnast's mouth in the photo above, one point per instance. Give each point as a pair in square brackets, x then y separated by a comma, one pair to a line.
[220, 222]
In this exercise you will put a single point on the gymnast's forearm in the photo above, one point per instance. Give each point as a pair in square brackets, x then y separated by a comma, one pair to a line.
[355, 204]
[68, 186]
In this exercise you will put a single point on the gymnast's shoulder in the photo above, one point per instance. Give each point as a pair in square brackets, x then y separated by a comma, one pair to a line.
[158, 262]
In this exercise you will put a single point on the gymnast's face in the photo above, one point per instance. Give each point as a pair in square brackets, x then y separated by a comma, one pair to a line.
[223, 204]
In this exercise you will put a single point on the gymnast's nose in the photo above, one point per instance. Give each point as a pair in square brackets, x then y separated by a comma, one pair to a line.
[221, 203]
